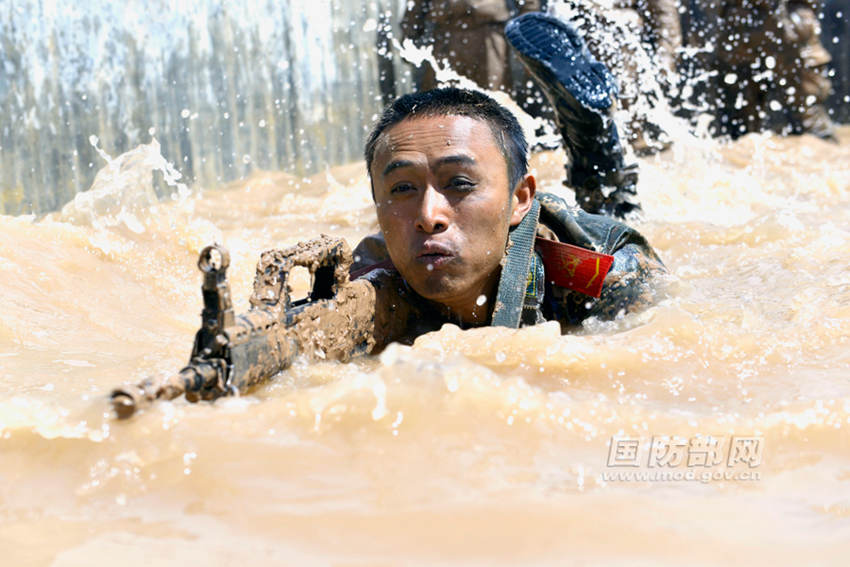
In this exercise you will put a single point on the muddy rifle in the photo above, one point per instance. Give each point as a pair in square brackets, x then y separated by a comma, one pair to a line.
[233, 353]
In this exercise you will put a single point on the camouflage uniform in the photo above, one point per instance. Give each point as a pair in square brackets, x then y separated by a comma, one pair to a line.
[468, 34]
[773, 68]
[627, 287]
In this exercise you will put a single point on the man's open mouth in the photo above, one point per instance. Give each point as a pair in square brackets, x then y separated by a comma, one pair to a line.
[434, 255]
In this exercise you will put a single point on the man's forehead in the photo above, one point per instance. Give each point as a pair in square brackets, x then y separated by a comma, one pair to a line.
[417, 132]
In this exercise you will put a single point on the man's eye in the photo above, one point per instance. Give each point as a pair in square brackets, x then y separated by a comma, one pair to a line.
[402, 188]
[461, 183]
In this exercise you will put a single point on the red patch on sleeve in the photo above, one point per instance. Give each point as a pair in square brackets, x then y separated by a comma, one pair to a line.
[573, 267]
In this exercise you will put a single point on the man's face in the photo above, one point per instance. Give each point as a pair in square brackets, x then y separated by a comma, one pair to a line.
[444, 206]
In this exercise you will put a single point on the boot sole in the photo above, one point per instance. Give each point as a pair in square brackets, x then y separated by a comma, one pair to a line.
[562, 58]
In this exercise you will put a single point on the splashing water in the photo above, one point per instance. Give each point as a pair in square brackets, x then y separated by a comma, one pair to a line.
[480, 432]
[124, 188]
[486, 446]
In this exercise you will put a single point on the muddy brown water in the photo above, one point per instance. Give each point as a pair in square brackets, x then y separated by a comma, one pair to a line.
[477, 447]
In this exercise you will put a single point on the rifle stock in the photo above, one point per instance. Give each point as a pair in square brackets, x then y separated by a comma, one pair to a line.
[232, 354]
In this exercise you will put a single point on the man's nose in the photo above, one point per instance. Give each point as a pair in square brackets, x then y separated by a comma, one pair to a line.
[433, 211]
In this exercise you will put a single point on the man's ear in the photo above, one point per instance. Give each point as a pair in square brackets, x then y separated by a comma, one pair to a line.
[522, 198]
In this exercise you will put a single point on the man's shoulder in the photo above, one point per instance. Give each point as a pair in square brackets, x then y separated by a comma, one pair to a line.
[600, 233]
[629, 284]
[370, 251]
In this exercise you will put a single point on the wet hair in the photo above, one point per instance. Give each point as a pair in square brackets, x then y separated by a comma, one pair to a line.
[459, 102]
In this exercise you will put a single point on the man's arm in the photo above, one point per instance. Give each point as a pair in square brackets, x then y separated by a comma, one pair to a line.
[630, 284]
[631, 281]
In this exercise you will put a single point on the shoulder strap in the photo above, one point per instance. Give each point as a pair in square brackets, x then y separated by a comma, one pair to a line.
[513, 281]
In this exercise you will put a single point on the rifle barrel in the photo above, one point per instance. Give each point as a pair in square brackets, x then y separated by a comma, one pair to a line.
[128, 398]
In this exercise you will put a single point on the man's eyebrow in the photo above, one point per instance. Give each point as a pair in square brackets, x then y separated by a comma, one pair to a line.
[461, 159]
[393, 165]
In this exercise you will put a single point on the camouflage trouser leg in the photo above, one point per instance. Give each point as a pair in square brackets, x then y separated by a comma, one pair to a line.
[810, 114]
[811, 80]
[615, 36]
[479, 53]
[744, 101]
[772, 49]
[582, 92]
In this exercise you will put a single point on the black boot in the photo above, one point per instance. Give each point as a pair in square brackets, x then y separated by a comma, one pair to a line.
[582, 92]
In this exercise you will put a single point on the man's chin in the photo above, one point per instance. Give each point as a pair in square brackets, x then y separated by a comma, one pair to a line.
[440, 288]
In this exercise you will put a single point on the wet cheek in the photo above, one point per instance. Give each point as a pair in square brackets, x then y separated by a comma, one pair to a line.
[389, 223]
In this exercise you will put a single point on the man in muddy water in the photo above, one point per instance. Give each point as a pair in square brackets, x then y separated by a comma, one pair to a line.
[466, 239]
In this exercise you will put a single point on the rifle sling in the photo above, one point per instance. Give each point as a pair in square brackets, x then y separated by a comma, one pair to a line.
[514, 278]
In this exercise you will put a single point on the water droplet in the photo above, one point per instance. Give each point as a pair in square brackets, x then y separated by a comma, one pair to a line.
[730, 79]
[185, 113]
[246, 159]
[482, 299]
[430, 267]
